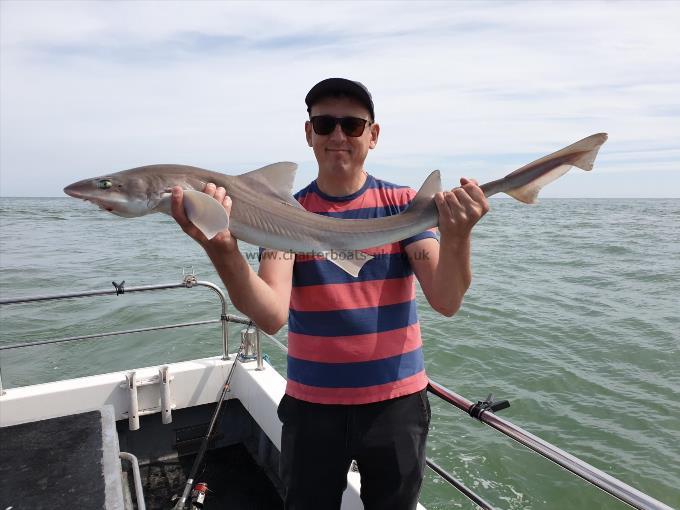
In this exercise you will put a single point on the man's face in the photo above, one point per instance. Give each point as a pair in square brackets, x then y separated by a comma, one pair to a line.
[337, 152]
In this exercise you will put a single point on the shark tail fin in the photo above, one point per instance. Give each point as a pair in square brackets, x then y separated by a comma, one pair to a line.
[206, 213]
[528, 193]
[525, 183]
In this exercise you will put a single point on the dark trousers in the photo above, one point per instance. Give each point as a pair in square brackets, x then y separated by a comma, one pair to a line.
[387, 440]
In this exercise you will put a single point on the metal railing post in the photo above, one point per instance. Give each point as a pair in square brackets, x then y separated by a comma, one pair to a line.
[225, 337]
[224, 318]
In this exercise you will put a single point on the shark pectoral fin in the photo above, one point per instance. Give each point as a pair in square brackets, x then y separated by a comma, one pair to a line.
[206, 213]
[349, 261]
[529, 192]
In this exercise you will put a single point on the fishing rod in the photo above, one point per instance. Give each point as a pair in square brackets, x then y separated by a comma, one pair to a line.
[198, 461]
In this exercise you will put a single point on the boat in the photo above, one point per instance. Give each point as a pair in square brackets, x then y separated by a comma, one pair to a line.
[202, 433]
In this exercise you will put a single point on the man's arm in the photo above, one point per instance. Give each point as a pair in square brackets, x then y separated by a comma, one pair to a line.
[263, 297]
[443, 269]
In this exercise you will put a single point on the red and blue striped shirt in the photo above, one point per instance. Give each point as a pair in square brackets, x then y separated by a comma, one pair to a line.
[355, 340]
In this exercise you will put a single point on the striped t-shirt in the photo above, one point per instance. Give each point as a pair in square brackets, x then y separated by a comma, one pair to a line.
[355, 340]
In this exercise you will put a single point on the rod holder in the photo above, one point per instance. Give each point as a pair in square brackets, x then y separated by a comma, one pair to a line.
[249, 343]
[133, 409]
[166, 397]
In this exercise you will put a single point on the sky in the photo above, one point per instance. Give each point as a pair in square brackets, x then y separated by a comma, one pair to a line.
[472, 89]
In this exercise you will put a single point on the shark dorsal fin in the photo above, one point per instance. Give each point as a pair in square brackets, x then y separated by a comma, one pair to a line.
[275, 180]
[424, 197]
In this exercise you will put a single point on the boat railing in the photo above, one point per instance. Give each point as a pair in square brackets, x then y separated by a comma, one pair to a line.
[482, 410]
[188, 281]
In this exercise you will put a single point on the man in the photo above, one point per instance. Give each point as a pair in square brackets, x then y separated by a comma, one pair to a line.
[356, 382]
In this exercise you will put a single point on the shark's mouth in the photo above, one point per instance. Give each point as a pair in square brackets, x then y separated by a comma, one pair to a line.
[103, 207]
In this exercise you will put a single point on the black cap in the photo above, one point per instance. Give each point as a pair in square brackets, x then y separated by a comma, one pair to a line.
[333, 86]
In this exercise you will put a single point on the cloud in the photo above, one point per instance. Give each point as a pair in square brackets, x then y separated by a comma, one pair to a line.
[89, 87]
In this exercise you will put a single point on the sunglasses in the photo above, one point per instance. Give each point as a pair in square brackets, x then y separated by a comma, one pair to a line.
[351, 126]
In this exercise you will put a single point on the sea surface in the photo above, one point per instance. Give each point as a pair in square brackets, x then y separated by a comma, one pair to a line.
[573, 316]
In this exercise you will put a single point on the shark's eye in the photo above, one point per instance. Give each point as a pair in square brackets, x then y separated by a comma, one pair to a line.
[104, 184]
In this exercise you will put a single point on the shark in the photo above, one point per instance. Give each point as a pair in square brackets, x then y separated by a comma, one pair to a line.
[265, 213]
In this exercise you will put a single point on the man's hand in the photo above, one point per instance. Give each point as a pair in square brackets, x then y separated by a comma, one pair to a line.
[460, 209]
[222, 241]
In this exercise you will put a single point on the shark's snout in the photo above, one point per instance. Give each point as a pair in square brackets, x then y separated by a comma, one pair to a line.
[73, 190]
[84, 191]
[81, 189]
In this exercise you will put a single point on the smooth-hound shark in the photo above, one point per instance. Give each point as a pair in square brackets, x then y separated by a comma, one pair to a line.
[265, 213]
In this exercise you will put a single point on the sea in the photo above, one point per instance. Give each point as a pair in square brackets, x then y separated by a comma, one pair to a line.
[573, 316]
